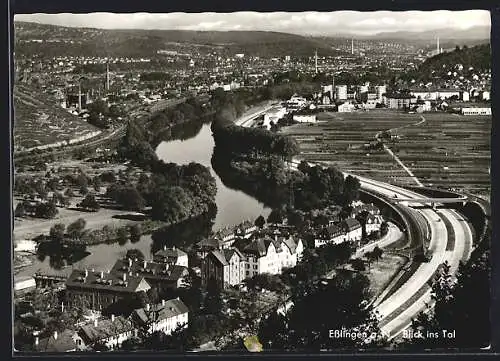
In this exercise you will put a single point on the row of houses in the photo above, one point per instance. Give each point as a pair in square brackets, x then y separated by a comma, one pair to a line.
[165, 317]
[246, 258]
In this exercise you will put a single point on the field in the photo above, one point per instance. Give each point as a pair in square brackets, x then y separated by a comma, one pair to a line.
[37, 122]
[440, 149]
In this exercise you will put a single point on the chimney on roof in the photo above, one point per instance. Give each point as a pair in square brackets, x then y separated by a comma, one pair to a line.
[95, 322]
[147, 307]
[36, 340]
[55, 335]
[163, 302]
[124, 277]
[112, 318]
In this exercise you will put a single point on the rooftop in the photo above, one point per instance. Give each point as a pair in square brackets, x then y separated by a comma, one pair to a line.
[106, 328]
[107, 281]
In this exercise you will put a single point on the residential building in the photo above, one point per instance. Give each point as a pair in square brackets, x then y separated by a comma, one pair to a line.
[331, 234]
[245, 229]
[23, 284]
[226, 267]
[398, 101]
[165, 317]
[476, 111]
[102, 289]
[346, 107]
[163, 277]
[305, 118]
[111, 332]
[341, 92]
[173, 256]
[65, 341]
[373, 223]
[271, 255]
[352, 229]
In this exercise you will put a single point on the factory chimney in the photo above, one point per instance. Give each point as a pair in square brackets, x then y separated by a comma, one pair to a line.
[316, 61]
[437, 46]
[107, 76]
[352, 47]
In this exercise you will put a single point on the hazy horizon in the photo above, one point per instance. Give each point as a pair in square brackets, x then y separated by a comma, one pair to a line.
[300, 23]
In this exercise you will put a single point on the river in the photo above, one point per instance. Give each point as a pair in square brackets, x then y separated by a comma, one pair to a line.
[233, 206]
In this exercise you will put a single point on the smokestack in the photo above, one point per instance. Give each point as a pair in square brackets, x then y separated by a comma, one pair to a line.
[62, 306]
[163, 302]
[112, 318]
[130, 262]
[79, 96]
[95, 322]
[165, 248]
[316, 61]
[36, 340]
[102, 274]
[145, 264]
[124, 277]
[107, 76]
[147, 307]
[352, 47]
[55, 335]
[438, 48]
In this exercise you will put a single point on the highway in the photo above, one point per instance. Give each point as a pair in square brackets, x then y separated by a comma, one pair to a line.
[396, 312]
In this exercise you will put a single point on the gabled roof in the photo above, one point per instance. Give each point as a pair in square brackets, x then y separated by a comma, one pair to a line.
[351, 224]
[149, 270]
[228, 253]
[211, 243]
[330, 232]
[219, 256]
[170, 254]
[110, 281]
[63, 343]
[105, 328]
[171, 308]
[291, 244]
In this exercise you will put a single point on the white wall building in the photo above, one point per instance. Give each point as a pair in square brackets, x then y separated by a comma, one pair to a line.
[305, 118]
[476, 111]
[346, 108]
[165, 317]
[341, 92]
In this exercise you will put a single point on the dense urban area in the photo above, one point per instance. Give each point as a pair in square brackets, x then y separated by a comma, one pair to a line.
[209, 191]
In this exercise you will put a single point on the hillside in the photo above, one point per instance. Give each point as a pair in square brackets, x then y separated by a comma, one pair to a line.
[478, 57]
[59, 40]
[38, 122]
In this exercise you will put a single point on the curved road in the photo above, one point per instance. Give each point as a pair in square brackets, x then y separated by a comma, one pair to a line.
[397, 311]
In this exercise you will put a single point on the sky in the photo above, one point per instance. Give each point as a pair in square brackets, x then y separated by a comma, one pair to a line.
[303, 23]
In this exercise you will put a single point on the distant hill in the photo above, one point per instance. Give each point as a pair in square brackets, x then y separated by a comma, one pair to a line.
[475, 33]
[101, 42]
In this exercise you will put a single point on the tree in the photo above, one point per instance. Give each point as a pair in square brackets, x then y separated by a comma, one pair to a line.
[260, 221]
[122, 235]
[362, 218]
[276, 216]
[384, 228]
[46, 210]
[377, 253]
[369, 256]
[358, 264]
[20, 209]
[57, 232]
[89, 202]
[84, 190]
[135, 233]
[75, 229]
[134, 253]
[213, 300]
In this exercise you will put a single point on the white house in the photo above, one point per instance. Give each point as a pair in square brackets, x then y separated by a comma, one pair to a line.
[476, 111]
[345, 108]
[110, 332]
[305, 118]
[268, 255]
[165, 317]
[173, 256]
